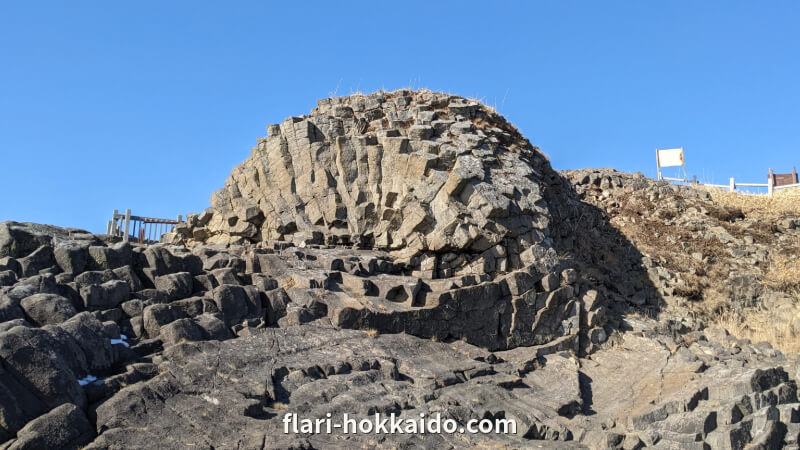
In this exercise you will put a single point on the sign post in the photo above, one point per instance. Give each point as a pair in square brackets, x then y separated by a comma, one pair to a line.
[671, 157]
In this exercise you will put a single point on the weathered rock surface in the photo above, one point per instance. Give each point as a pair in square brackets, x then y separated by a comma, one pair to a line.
[707, 254]
[405, 253]
[423, 175]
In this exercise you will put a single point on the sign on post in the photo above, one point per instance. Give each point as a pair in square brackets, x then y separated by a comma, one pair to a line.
[670, 157]
[780, 180]
[783, 179]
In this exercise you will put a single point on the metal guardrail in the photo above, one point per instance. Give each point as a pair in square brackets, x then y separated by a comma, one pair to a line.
[144, 230]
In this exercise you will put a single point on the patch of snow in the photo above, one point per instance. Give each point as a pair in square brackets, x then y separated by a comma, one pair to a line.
[211, 400]
[87, 379]
[120, 341]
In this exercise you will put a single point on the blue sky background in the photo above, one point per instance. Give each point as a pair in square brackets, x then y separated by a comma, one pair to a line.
[149, 105]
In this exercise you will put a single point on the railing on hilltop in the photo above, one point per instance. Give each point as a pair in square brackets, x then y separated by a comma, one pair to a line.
[775, 182]
[144, 230]
[674, 157]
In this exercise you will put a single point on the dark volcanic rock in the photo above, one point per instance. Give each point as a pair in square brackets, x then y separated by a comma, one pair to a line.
[65, 427]
[46, 309]
[90, 335]
[405, 253]
[29, 355]
[175, 285]
[104, 296]
[71, 256]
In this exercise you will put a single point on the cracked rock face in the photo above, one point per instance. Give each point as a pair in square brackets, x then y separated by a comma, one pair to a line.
[405, 253]
[418, 174]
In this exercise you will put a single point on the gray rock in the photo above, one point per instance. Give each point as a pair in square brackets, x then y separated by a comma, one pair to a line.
[128, 275]
[8, 278]
[233, 301]
[277, 301]
[156, 316]
[42, 258]
[105, 296]
[71, 256]
[46, 309]
[9, 263]
[420, 132]
[175, 285]
[90, 335]
[103, 258]
[180, 330]
[94, 277]
[64, 427]
[21, 239]
[30, 356]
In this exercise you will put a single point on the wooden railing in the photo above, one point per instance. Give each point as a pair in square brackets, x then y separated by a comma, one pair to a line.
[144, 230]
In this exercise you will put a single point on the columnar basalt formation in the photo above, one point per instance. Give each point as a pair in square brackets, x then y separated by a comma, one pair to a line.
[443, 188]
[403, 253]
[422, 175]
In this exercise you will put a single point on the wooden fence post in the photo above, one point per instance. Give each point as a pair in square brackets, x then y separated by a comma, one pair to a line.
[732, 185]
[114, 218]
[127, 224]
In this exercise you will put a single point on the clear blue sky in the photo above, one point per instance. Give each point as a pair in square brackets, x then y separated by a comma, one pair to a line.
[149, 105]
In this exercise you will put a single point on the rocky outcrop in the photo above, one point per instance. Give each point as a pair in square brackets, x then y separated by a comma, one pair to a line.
[235, 337]
[440, 181]
[705, 391]
[709, 260]
[405, 253]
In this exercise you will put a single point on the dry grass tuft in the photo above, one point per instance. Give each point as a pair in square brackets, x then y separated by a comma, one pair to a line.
[781, 203]
[783, 273]
[371, 332]
[779, 335]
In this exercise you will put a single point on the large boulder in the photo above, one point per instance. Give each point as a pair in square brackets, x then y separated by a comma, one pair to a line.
[21, 239]
[64, 427]
[156, 316]
[90, 335]
[202, 328]
[105, 296]
[39, 259]
[18, 405]
[46, 309]
[175, 285]
[31, 357]
[18, 240]
[71, 256]
[102, 257]
[237, 302]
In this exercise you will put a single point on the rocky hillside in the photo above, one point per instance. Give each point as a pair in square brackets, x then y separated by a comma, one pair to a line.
[407, 253]
[716, 257]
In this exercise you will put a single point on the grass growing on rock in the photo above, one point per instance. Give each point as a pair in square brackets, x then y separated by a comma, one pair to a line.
[746, 326]
[726, 259]
[781, 273]
[781, 204]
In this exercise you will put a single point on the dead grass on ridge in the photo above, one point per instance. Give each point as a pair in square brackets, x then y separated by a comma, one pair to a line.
[780, 204]
[782, 274]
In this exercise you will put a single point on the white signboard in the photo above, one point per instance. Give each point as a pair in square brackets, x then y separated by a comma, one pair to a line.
[670, 157]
